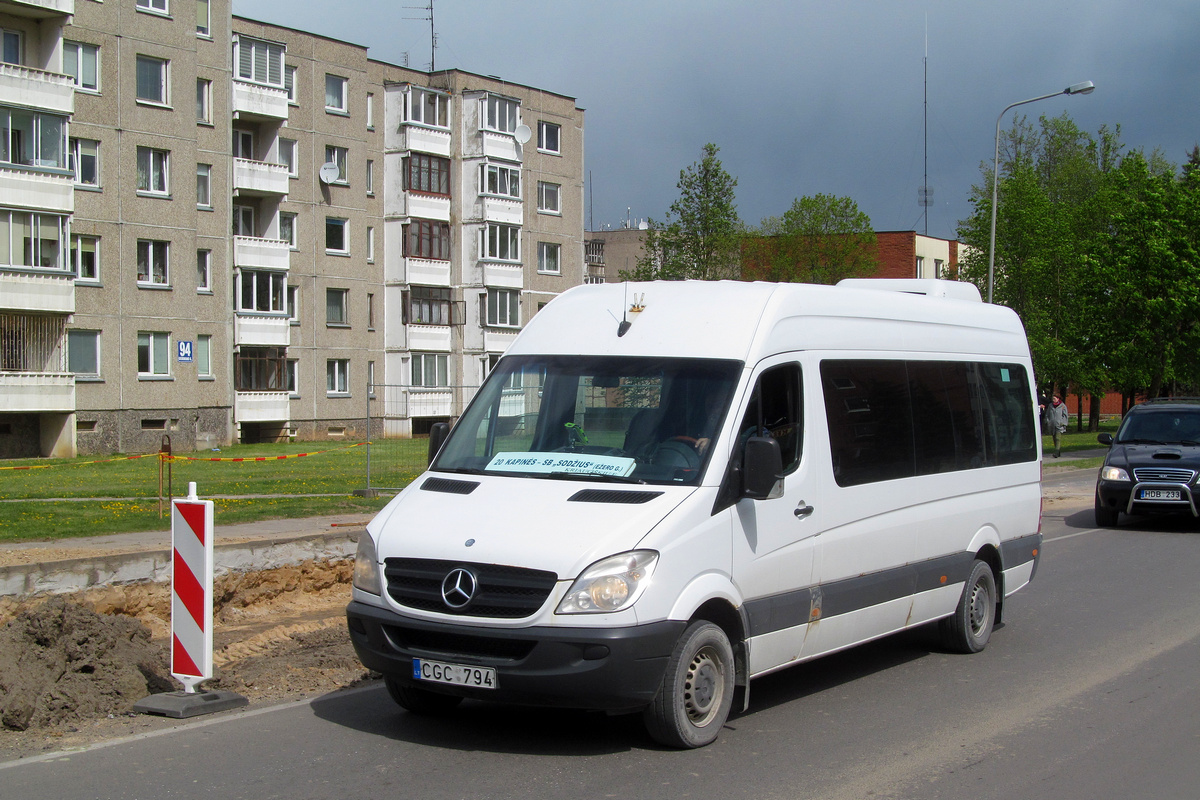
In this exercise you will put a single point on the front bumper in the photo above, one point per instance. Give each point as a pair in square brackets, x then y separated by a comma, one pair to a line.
[609, 669]
[1129, 497]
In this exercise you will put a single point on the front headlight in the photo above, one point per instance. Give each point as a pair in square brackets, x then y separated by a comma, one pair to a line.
[366, 566]
[610, 584]
[1113, 474]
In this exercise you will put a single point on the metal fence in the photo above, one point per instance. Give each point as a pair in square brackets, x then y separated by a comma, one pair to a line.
[398, 414]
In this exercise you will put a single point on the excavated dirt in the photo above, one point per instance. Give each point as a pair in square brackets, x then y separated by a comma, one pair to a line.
[72, 666]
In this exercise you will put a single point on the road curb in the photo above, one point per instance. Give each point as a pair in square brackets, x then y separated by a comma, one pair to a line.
[154, 565]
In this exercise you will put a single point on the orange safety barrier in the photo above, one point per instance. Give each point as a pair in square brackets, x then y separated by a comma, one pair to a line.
[264, 458]
[82, 463]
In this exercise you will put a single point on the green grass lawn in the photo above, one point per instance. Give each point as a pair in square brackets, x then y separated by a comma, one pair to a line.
[92, 495]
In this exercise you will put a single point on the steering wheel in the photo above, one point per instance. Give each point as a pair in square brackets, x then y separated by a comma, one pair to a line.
[675, 454]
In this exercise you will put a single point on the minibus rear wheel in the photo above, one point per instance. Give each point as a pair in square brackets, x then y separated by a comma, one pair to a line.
[697, 690]
[419, 701]
[970, 627]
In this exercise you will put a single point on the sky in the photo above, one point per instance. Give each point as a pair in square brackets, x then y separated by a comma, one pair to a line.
[866, 99]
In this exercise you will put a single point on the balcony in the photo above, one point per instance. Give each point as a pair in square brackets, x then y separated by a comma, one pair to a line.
[425, 140]
[37, 392]
[504, 276]
[425, 206]
[38, 9]
[256, 102]
[497, 341]
[434, 338]
[30, 187]
[499, 145]
[36, 88]
[259, 178]
[261, 407]
[254, 329]
[37, 292]
[251, 251]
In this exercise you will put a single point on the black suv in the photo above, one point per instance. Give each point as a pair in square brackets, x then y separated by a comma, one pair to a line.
[1153, 462]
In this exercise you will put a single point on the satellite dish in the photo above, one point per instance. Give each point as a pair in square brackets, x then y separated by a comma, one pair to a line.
[522, 133]
[329, 172]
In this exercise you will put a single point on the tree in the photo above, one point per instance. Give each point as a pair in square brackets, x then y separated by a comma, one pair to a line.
[701, 236]
[820, 239]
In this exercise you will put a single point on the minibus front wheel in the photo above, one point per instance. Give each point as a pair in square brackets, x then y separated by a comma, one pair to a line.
[697, 690]
[970, 627]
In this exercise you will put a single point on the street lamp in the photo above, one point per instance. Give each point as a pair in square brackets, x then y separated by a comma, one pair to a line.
[1087, 87]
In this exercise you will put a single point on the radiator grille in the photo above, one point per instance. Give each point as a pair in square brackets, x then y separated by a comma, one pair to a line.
[504, 592]
[1172, 474]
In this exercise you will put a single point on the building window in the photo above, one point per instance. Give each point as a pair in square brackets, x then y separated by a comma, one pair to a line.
[260, 369]
[83, 353]
[428, 108]
[243, 220]
[202, 19]
[204, 101]
[335, 94]
[920, 267]
[33, 240]
[370, 111]
[261, 291]
[548, 198]
[293, 377]
[154, 354]
[204, 356]
[428, 305]
[259, 61]
[939, 268]
[501, 114]
[337, 376]
[204, 271]
[427, 239]
[293, 304]
[430, 369]
[152, 80]
[287, 228]
[502, 242]
[243, 144]
[204, 185]
[370, 311]
[501, 180]
[85, 162]
[287, 156]
[338, 155]
[548, 136]
[337, 307]
[33, 139]
[502, 307]
[370, 245]
[370, 177]
[10, 47]
[336, 240]
[85, 258]
[425, 173]
[289, 83]
[548, 257]
[153, 5]
[152, 259]
[81, 62]
[152, 175]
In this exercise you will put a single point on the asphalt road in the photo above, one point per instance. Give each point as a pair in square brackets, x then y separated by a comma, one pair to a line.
[1087, 691]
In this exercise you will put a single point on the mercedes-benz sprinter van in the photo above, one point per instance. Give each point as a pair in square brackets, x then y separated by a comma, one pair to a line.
[664, 490]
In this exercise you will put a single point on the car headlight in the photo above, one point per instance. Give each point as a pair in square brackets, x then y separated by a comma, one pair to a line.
[610, 584]
[366, 566]
[1113, 474]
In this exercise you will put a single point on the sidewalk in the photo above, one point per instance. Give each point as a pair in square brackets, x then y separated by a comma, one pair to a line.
[69, 565]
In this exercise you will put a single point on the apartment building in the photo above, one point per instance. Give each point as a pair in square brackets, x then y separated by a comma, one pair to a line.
[353, 224]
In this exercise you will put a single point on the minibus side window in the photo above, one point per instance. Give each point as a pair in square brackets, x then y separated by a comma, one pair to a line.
[947, 425]
[1008, 413]
[777, 409]
[870, 421]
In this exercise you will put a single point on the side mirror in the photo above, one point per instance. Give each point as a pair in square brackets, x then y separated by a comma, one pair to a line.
[437, 437]
[762, 466]
[1105, 439]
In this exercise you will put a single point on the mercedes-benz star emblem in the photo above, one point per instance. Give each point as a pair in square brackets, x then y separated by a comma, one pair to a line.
[458, 587]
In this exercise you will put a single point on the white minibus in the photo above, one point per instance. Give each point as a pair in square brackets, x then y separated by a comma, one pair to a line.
[666, 489]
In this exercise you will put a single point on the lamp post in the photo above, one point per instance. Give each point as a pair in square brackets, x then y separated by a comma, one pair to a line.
[1087, 87]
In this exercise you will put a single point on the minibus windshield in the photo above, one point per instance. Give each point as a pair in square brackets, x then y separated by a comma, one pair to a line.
[613, 418]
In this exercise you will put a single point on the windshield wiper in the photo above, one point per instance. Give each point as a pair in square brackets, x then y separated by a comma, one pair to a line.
[462, 470]
[593, 476]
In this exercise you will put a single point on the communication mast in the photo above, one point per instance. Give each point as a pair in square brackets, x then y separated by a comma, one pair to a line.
[432, 35]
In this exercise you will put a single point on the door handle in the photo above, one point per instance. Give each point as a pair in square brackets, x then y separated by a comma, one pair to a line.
[803, 510]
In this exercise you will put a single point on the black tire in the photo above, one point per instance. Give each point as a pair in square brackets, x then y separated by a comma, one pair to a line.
[969, 629]
[419, 701]
[697, 690]
[1105, 517]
